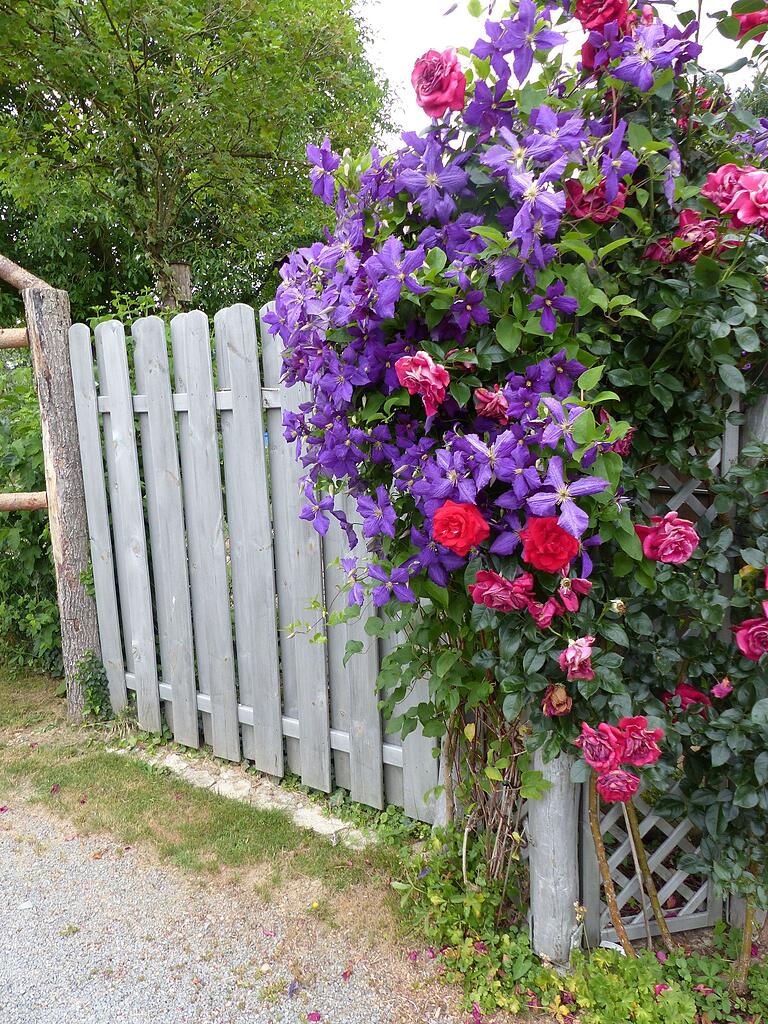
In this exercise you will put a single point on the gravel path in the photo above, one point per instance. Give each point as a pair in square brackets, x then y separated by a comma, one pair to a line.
[94, 933]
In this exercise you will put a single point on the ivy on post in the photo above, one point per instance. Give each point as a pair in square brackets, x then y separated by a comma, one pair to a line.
[48, 321]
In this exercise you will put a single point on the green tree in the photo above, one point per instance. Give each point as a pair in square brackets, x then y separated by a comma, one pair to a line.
[136, 134]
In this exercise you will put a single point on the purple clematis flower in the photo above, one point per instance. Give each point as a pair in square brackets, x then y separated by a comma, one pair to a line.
[325, 163]
[560, 424]
[393, 584]
[391, 269]
[436, 559]
[562, 494]
[566, 371]
[356, 594]
[517, 36]
[434, 183]
[469, 309]
[508, 537]
[616, 162]
[488, 108]
[652, 48]
[554, 135]
[378, 514]
[314, 511]
[553, 299]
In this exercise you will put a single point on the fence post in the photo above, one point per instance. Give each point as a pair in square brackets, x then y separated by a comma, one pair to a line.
[48, 322]
[553, 834]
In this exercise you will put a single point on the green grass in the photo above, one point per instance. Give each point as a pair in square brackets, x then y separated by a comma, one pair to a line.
[68, 771]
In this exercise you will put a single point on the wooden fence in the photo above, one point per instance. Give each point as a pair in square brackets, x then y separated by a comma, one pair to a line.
[202, 566]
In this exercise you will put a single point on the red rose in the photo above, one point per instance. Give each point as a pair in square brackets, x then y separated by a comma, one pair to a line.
[749, 21]
[459, 526]
[594, 14]
[689, 695]
[439, 82]
[592, 204]
[640, 745]
[752, 636]
[546, 545]
[556, 701]
[601, 747]
[617, 786]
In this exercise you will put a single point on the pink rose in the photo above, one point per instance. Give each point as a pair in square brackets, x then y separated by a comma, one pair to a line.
[749, 21]
[439, 82]
[752, 636]
[570, 589]
[617, 786]
[421, 375]
[600, 747]
[750, 201]
[702, 236]
[575, 659]
[640, 745]
[492, 404]
[594, 14]
[593, 204]
[624, 446]
[669, 539]
[721, 185]
[542, 614]
[723, 688]
[556, 701]
[660, 251]
[494, 591]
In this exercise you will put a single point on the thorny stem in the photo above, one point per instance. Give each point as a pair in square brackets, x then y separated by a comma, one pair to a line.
[650, 885]
[605, 872]
[639, 876]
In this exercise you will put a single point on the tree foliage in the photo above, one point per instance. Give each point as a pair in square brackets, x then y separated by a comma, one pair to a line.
[134, 134]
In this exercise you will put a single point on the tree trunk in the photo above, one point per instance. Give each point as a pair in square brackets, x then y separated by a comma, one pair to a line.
[48, 322]
[553, 831]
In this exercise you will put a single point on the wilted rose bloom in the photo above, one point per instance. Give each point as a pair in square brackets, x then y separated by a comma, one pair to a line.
[556, 701]
[702, 236]
[669, 539]
[752, 636]
[492, 404]
[660, 251]
[618, 606]
[542, 614]
[624, 446]
[459, 526]
[575, 659]
[640, 745]
[593, 204]
[494, 591]
[569, 591]
[617, 786]
[439, 82]
[421, 375]
[601, 747]
[723, 688]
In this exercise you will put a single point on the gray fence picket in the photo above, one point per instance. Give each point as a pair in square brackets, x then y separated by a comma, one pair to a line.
[335, 547]
[201, 486]
[250, 536]
[162, 479]
[299, 562]
[89, 436]
[120, 436]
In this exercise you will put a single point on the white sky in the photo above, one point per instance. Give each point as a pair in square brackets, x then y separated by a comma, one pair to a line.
[404, 29]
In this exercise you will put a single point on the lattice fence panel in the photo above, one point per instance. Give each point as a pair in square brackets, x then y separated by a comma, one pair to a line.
[688, 901]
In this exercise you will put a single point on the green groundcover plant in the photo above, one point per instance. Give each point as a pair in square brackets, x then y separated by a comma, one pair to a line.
[518, 316]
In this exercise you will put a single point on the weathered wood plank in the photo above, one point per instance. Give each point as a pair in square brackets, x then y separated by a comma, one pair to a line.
[339, 682]
[250, 536]
[393, 776]
[305, 681]
[421, 769]
[121, 437]
[162, 478]
[89, 436]
[201, 484]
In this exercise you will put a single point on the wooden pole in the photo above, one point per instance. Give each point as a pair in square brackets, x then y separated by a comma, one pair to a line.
[13, 337]
[553, 833]
[23, 502]
[605, 872]
[48, 322]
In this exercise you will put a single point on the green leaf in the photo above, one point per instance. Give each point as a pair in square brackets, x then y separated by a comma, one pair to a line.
[761, 768]
[374, 626]
[614, 632]
[445, 663]
[460, 391]
[729, 27]
[590, 378]
[759, 713]
[584, 427]
[475, 8]
[604, 250]
[733, 378]
[509, 334]
[513, 705]
[353, 647]
[665, 317]
[707, 271]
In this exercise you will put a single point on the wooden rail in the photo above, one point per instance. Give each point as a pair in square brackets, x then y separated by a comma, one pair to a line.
[30, 501]
[13, 337]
